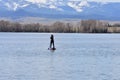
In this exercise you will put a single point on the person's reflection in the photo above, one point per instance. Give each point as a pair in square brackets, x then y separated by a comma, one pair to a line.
[52, 67]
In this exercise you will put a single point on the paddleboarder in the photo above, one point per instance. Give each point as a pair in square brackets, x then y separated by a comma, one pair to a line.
[52, 41]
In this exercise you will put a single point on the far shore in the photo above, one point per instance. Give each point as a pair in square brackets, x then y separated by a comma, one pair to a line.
[83, 26]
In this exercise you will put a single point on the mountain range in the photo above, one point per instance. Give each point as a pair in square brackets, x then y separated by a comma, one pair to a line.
[54, 9]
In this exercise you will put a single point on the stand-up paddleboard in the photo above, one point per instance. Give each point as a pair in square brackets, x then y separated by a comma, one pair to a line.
[51, 48]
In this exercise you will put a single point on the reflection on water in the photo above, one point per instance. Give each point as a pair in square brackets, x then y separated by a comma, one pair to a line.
[25, 56]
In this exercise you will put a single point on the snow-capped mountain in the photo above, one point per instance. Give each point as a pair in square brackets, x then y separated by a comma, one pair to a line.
[59, 9]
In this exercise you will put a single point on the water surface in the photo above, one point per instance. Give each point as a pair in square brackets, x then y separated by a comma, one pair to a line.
[24, 56]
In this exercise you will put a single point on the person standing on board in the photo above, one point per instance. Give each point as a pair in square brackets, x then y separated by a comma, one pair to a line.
[52, 41]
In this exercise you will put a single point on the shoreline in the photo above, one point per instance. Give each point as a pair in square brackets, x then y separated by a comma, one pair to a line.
[57, 33]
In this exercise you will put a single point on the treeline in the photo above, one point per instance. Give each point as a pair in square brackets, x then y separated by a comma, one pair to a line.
[84, 26]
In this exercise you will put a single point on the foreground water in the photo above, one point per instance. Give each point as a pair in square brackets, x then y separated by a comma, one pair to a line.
[24, 56]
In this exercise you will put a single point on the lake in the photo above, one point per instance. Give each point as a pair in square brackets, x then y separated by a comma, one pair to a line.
[25, 56]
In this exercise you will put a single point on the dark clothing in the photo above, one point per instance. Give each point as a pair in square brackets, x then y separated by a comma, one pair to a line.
[52, 41]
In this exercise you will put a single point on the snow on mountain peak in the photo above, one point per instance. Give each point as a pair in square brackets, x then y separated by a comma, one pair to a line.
[78, 5]
[52, 4]
[12, 6]
[37, 1]
[84, 3]
[59, 9]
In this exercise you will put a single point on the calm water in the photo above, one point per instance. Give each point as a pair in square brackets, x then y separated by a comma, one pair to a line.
[24, 56]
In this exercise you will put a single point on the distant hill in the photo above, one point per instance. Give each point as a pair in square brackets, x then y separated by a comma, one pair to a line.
[16, 9]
